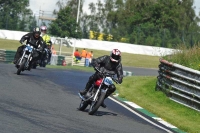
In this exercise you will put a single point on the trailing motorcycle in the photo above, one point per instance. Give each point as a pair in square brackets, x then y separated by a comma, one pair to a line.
[96, 94]
[27, 56]
[44, 58]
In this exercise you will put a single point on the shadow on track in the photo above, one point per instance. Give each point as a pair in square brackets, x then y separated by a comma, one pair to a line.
[100, 113]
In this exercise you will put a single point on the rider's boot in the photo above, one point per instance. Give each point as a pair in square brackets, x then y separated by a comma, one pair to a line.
[29, 68]
[87, 87]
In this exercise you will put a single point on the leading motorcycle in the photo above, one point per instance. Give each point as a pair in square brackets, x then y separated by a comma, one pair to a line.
[24, 62]
[96, 94]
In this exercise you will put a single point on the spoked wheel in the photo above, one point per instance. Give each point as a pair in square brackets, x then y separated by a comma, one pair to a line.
[92, 109]
[96, 104]
[83, 105]
[21, 67]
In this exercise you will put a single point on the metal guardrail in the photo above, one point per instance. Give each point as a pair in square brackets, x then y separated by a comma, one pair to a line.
[9, 56]
[180, 83]
[2, 55]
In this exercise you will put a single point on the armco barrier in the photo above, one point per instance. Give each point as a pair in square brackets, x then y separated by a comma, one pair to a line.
[9, 56]
[127, 73]
[180, 83]
[2, 55]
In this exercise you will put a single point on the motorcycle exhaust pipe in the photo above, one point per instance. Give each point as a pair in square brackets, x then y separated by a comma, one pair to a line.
[83, 98]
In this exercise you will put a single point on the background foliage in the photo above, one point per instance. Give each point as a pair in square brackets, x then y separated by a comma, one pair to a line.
[15, 15]
[145, 22]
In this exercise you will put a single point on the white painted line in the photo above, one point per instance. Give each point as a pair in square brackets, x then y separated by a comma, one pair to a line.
[140, 115]
[116, 95]
[133, 105]
[164, 122]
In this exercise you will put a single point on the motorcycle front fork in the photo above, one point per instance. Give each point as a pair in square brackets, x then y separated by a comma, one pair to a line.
[97, 93]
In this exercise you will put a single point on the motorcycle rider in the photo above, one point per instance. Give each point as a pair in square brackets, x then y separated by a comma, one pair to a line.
[47, 40]
[111, 64]
[34, 39]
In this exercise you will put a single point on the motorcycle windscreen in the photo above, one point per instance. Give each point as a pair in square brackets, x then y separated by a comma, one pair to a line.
[108, 81]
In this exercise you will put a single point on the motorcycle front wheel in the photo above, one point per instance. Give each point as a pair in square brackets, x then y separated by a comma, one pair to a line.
[83, 105]
[96, 104]
[21, 67]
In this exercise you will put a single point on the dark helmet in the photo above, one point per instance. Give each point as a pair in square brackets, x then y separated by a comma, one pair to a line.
[115, 55]
[36, 32]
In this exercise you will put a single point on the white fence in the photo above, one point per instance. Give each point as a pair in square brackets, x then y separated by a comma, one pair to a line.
[95, 44]
[180, 83]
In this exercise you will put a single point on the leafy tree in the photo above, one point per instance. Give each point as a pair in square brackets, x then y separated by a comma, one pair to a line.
[65, 24]
[134, 19]
[14, 14]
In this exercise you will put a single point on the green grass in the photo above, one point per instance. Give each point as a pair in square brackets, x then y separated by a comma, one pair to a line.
[141, 89]
[9, 44]
[127, 59]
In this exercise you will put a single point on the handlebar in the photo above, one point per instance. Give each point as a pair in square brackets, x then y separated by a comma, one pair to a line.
[107, 74]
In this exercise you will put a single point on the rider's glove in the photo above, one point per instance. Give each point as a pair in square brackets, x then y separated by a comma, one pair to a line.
[96, 66]
[21, 41]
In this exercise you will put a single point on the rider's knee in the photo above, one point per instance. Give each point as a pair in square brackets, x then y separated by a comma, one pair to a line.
[112, 88]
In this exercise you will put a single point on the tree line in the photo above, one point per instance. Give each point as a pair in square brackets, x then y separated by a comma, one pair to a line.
[163, 23]
[15, 15]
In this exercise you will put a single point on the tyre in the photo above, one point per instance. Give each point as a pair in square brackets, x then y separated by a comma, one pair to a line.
[21, 67]
[44, 63]
[83, 105]
[95, 105]
[34, 65]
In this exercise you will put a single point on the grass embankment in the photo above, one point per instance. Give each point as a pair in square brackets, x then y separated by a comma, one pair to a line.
[189, 57]
[141, 89]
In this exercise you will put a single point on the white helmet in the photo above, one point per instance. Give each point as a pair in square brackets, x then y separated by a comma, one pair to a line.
[43, 28]
[115, 55]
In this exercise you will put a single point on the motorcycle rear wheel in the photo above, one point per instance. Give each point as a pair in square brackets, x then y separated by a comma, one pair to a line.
[83, 105]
